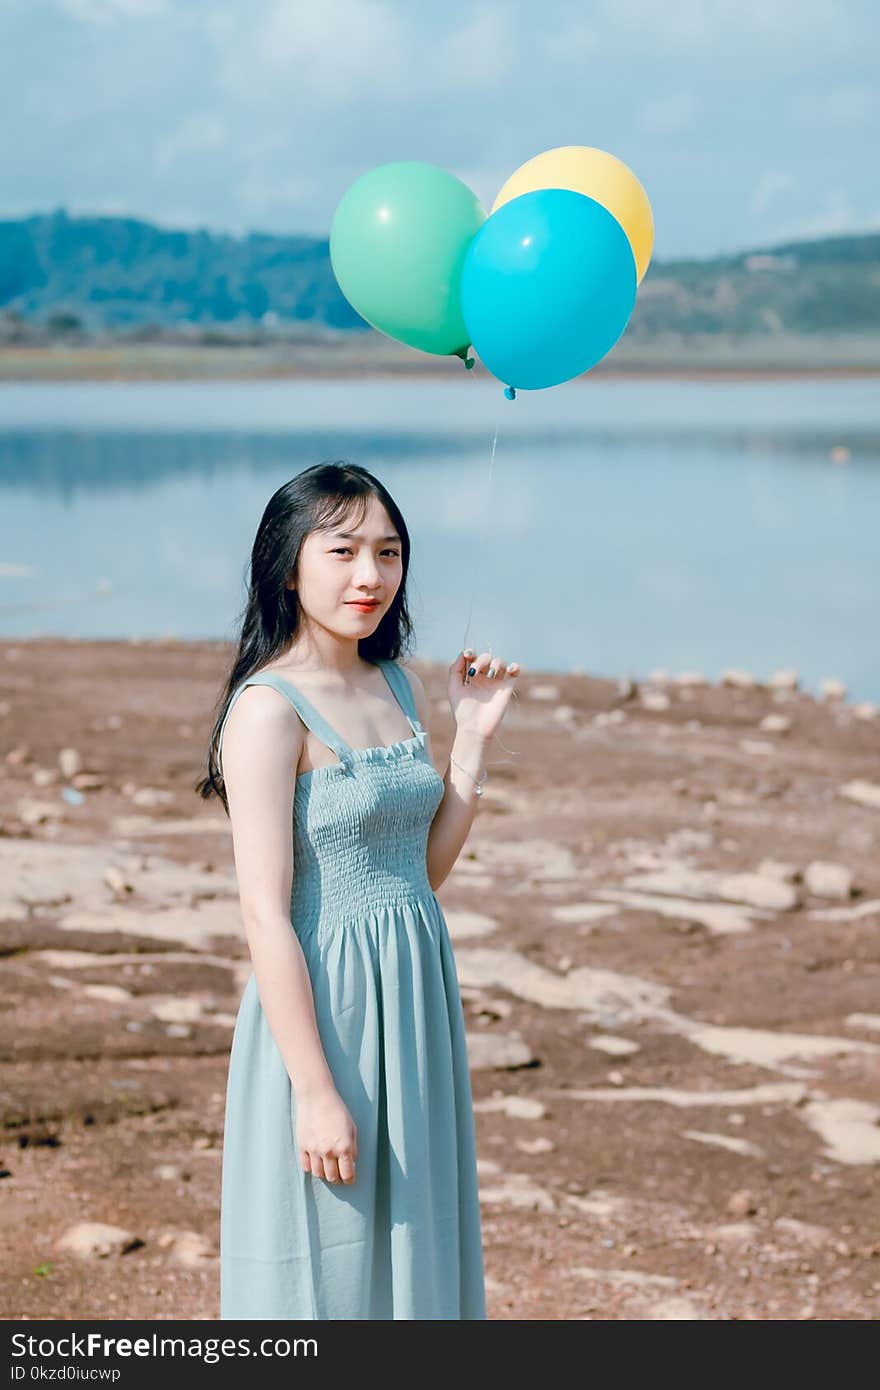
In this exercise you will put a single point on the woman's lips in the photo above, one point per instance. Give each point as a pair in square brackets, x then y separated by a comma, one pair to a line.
[364, 607]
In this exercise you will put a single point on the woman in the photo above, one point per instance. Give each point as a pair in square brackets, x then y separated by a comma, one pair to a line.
[349, 1184]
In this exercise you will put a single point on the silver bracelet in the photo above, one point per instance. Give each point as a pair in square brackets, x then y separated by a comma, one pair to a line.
[479, 784]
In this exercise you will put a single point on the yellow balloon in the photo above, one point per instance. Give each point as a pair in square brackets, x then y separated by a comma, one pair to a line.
[599, 175]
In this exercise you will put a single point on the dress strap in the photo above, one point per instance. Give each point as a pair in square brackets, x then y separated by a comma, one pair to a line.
[401, 689]
[306, 711]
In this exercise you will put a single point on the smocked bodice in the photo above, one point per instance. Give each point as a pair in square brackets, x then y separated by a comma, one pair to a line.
[360, 825]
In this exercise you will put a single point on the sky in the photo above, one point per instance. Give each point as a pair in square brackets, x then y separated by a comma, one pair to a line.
[749, 123]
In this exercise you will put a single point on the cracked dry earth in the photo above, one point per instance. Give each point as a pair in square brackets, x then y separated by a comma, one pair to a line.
[667, 928]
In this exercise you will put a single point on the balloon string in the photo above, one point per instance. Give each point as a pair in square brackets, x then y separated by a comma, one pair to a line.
[513, 751]
[482, 551]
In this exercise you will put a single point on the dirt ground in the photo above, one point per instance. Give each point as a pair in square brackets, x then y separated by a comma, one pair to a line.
[666, 922]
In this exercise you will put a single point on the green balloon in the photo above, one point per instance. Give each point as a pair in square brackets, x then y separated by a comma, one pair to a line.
[397, 245]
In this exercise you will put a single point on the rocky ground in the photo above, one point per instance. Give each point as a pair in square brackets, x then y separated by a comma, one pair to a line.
[667, 927]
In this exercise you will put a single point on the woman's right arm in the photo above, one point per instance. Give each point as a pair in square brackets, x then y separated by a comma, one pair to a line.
[262, 744]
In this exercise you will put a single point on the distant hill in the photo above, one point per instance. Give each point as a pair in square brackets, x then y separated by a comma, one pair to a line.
[121, 273]
[85, 276]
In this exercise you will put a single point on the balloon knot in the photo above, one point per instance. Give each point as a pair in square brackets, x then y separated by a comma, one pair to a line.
[469, 362]
[510, 393]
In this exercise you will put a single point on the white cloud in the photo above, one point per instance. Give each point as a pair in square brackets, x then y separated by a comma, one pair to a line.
[481, 52]
[204, 130]
[262, 188]
[782, 31]
[771, 183]
[572, 42]
[850, 105]
[106, 11]
[344, 52]
[669, 115]
[834, 217]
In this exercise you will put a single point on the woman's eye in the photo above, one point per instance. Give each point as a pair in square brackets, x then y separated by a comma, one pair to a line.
[346, 550]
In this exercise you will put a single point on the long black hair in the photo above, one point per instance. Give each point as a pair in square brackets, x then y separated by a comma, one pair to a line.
[319, 498]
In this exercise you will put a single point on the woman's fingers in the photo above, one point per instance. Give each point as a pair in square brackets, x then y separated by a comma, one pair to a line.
[346, 1168]
[329, 1166]
[492, 667]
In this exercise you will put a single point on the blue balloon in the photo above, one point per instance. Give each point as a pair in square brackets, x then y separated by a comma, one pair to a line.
[547, 287]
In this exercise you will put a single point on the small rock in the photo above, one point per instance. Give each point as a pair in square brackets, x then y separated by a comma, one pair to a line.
[743, 680]
[111, 994]
[168, 1172]
[188, 1248]
[690, 678]
[784, 680]
[757, 746]
[518, 1190]
[488, 1050]
[865, 793]
[775, 868]
[735, 1231]
[517, 1107]
[775, 724]
[609, 716]
[152, 796]
[615, 1047]
[655, 699]
[96, 1239]
[69, 761]
[544, 692]
[115, 879]
[804, 1231]
[832, 689]
[535, 1146]
[179, 1009]
[826, 880]
[865, 710]
[742, 1203]
[37, 812]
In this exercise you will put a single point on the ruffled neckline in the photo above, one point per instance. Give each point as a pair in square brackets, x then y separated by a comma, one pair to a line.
[382, 753]
[388, 752]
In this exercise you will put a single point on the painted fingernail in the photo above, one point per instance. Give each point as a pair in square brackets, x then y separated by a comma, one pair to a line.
[472, 670]
[491, 671]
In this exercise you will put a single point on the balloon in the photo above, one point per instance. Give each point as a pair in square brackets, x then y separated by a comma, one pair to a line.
[397, 244]
[599, 175]
[548, 286]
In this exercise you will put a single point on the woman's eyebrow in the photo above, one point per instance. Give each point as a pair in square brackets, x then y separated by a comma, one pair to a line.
[353, 536]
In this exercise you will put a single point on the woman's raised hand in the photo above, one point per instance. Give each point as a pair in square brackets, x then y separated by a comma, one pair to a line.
[480, 689]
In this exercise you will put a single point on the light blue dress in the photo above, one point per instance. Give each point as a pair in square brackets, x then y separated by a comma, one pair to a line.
[403, 1240]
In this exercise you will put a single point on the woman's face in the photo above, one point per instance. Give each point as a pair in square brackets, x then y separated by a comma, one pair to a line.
[342, 571]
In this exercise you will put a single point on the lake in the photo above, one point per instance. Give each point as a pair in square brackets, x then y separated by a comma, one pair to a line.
[624, 525]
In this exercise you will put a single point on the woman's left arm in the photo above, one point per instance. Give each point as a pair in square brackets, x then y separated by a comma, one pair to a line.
[478, 704]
